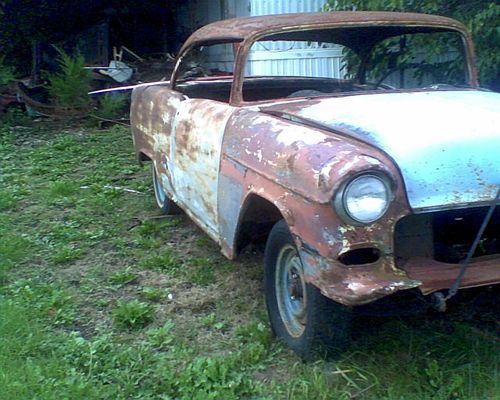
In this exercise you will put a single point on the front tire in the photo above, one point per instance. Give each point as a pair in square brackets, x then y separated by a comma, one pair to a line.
[308, 322]
[165, 204]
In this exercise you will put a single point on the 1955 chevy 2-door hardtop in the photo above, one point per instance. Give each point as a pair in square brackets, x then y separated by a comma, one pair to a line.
[364, 179]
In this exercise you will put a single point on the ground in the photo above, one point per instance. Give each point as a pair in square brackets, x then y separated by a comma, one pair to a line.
[103, 298]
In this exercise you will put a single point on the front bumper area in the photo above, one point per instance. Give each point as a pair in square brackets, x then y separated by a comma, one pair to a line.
[357, 285]
[363, 284]
[436, 275]
[426, 253]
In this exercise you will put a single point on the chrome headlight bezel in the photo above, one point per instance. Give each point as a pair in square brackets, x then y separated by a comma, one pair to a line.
[340, 199]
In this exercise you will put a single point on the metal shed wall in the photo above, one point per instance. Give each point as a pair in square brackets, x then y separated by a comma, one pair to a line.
[266, 7]
[300, 59]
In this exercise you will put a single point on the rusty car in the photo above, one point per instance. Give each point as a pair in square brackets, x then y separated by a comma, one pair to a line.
[365, 175]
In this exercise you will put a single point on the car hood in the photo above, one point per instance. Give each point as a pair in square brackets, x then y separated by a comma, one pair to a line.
[445, 143]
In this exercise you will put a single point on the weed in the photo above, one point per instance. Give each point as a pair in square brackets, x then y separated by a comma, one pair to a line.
[441, 384]
[149, 228]
[205, 242]
[148, 243]
[133, 314]
[14, 249]
[153, 294]
[255, 332]
[102, 303]
[210, 321]
[50, 301]
[33, 360]
[123, 277]
[161, 337]
[69, 87]
[215, 378]
[66, 254]
[15, 116]
[166, 261]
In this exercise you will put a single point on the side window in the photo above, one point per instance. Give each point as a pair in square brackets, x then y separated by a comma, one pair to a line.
[207, 60]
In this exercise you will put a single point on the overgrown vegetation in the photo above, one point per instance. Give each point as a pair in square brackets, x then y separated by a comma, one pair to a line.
[101, 299]
[6, 73]
[480, 16]
[69, 86]
[113, 105]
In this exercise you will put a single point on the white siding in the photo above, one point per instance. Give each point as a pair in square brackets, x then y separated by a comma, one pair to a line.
[266, 7]
[301, 60]
[313, 62]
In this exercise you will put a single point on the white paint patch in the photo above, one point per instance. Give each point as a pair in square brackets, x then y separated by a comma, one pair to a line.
[298, 134]
[161, 142]
[329, 238]
[446, 144]
[355, 286]
[259, 155]
[196, 175]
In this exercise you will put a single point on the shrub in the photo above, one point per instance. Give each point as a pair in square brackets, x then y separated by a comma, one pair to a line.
[70, 86]
[112, 105]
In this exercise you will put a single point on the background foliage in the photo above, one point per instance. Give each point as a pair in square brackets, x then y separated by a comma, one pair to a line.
[6, 72]
[480, 16]
[70, 86]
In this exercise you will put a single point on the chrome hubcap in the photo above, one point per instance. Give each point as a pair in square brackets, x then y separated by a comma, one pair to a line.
[290, 289]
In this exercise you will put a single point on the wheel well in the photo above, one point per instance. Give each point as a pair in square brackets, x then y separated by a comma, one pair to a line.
[143, 157]
[259, 216]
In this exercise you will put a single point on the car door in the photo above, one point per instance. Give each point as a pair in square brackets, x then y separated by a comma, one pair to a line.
[198, 132]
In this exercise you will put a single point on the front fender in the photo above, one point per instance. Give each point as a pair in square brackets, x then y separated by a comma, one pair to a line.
[305, 160]
[298, 169]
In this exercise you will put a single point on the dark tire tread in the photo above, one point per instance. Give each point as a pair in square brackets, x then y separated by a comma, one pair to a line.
[327, 331]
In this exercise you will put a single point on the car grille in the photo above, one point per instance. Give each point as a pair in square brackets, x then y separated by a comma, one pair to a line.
[446, 236]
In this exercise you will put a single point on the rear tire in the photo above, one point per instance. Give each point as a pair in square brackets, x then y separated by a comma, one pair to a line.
[309, 323]
[165, 204]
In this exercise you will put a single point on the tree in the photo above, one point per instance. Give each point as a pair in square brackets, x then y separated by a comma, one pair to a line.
[50, 21]
[480, 16]
[25, 22]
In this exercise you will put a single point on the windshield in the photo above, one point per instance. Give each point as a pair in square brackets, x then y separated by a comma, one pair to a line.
[297, 68]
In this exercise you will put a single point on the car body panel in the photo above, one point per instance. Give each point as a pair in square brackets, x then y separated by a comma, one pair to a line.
[198, 130]
[430, 136]
[239, 29]
[294, 156]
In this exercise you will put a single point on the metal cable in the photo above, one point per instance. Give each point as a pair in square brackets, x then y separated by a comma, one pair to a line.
[465, 264]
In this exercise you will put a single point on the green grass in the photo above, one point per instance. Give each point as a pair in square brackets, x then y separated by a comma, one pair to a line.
[123, 277]
[100, 299]
[133, 314]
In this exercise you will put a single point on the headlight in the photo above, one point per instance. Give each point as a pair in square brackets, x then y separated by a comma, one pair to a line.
[366, 198]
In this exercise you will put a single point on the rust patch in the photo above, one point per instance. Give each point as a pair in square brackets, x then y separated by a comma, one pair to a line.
[437, 275]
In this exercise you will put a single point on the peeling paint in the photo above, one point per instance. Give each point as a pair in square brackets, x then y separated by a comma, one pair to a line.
[214, 158]
[430, 135]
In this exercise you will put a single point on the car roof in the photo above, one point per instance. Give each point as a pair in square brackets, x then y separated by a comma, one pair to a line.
[238, 29]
